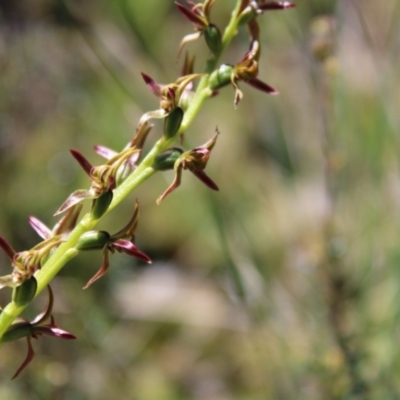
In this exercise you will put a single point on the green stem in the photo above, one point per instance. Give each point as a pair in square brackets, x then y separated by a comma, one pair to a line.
[67, 251]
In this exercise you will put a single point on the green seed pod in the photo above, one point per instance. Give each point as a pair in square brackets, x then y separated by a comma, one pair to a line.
[221, 77]
[100, 205]
[166, 160]
[93, 240]
[173, 122]
[24, 293]
[17, 331]
[213, 38]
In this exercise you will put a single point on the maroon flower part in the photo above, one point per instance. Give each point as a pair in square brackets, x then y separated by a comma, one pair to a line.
[130, 163]
[103, 178]
[250, 9]
[122, 241]
[195, 161]
[199, 15]
[26, 263]
[261, 5]
[169, 95]
[43, 324]
[246, 70]
[174, 99]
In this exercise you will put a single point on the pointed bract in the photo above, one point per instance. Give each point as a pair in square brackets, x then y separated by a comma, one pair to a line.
[7, 248]
[125, 246]
[74, 198]
[105, 152]
[40, 228]
[83, 162]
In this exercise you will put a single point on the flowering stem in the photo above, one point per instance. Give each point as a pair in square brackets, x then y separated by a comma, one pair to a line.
[66, 251]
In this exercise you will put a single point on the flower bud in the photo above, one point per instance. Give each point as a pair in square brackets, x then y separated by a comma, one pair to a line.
[221, 77]
[93, 240]
[173, 122]
[213, 38]
[166, 159]
[100, 204]
[23, 294]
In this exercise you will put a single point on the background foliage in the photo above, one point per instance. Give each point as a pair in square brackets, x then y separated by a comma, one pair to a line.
[285, 284]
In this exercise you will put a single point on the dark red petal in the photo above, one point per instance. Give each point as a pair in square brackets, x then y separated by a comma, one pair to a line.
[45, 315]
[83, 162]
[205, 179]
[276, 5]
[254, 29]
[175, 183]
[111, 183]
[191, 16]
[28, 358]
[264, 87]
[7, 248]
[103, 269]
[154, 86]
[53, 331]
[129, 248]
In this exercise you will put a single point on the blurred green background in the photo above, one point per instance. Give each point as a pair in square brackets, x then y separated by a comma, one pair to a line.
[283, 285]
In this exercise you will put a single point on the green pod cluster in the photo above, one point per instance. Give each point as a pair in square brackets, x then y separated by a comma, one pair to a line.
[221, 77]
[93, 240]
[24, 293]
[100, 205]
[173, 122]
[166, 160]
[213, 38]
